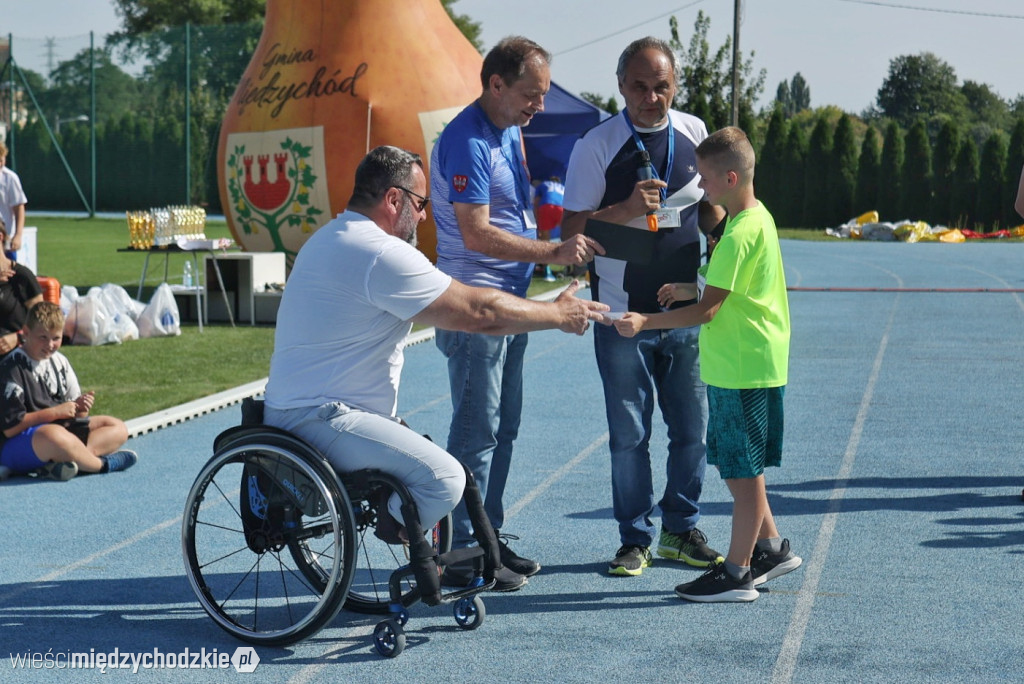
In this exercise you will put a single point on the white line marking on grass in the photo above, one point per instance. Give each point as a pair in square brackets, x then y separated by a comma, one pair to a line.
[785, 664]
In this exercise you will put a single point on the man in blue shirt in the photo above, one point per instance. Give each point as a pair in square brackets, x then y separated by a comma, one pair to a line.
[486, 236]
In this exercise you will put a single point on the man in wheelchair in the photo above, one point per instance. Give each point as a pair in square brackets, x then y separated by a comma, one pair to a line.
[355, 290]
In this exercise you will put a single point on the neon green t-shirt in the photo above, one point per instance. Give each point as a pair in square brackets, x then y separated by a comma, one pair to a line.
[746, 345]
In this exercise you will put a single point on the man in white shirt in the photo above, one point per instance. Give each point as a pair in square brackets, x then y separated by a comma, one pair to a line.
[357, 286]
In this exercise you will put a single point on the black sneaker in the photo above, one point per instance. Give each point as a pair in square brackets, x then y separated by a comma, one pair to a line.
[767, 565]
[630, 561]
[690, 547]
[717, 585]
[513, 561]
[460, 576]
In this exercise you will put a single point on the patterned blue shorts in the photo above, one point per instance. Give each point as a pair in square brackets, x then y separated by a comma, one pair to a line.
[744, 430]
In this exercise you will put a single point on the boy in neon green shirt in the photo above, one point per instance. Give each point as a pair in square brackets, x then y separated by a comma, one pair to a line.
[744, 359]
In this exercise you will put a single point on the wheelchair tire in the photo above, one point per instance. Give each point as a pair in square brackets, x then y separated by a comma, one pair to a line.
[249, 550]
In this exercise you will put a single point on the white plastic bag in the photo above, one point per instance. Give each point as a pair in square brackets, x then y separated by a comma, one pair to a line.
[120, 309]
[68, 295]
[89, 322]
[118, 296]
[160, 318]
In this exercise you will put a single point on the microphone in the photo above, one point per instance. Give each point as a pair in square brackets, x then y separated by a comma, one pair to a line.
[646, 172]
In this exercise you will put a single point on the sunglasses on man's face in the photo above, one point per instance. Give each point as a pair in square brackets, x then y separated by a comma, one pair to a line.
[421, 201]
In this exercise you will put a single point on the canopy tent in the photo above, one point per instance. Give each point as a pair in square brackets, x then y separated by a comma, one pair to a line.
[552, 133]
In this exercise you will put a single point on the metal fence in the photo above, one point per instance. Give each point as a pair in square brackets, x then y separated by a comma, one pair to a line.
[113, 125]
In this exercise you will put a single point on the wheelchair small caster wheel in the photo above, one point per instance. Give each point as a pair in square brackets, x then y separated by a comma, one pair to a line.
[469, 612]
[389, 638]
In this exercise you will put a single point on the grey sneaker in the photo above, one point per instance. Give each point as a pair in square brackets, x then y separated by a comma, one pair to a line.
[690, 547]
[630, 561]
[767, 565]
[61, 472]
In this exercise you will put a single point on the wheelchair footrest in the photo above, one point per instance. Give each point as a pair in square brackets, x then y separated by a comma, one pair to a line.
[452, 596]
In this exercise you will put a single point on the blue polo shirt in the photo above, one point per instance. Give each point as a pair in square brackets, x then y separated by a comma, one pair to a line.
[474, 162]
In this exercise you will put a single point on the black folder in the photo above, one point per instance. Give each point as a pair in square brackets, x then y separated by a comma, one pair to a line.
[623, 242]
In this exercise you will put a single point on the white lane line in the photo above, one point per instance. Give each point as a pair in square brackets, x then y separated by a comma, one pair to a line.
[309, 673]
[785, 664]
[56, 574]
[532, 495]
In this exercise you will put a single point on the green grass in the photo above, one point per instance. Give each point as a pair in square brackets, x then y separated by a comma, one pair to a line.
[142, 376]
[83, 253]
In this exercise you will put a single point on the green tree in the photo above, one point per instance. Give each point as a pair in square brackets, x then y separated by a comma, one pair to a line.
[868, 170]
[144, 16]
[471, 29]
[769, 176]
[794, 96]
[991, 175]
[705, 88]
[919, 85]
[985, 105]
[793, 172]
[610, 105]
[117, 92]
[842, 172]
[816, 200]
[965, 191]
[917, 173]
[1014, 164]
[890, 172]
[944, 175]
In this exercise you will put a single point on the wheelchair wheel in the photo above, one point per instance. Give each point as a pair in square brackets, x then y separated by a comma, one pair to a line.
[389, 639]
[376, 560]
[469, 612]
[262, 514]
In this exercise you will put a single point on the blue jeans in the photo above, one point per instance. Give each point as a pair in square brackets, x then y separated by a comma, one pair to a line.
[486, 377]
[662, 363]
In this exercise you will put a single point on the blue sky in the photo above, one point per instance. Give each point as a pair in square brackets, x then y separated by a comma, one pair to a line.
[842, 47]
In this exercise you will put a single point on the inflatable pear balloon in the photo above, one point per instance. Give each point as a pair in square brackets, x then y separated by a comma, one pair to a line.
[329, 81]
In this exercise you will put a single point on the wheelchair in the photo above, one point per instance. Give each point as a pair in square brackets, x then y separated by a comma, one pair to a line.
[276, 543]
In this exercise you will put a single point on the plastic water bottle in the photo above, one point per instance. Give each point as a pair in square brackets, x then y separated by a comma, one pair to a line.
[186, 278]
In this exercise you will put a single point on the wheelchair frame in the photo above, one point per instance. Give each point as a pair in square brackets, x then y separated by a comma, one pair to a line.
[272, 539]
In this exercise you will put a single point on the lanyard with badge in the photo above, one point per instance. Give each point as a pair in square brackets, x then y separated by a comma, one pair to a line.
[663, 217]
[518, 167]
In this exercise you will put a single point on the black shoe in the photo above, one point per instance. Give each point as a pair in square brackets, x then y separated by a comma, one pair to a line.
[513, 561]
[630, 561]
[717, 585]
[767, 565]
[461, 575]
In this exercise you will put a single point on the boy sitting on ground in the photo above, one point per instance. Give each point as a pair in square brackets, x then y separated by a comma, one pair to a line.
[41, 404]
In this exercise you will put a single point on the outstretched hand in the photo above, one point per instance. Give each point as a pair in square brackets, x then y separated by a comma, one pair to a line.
[577, 251]
[577, 313]
[670, 293]
[630, 324]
